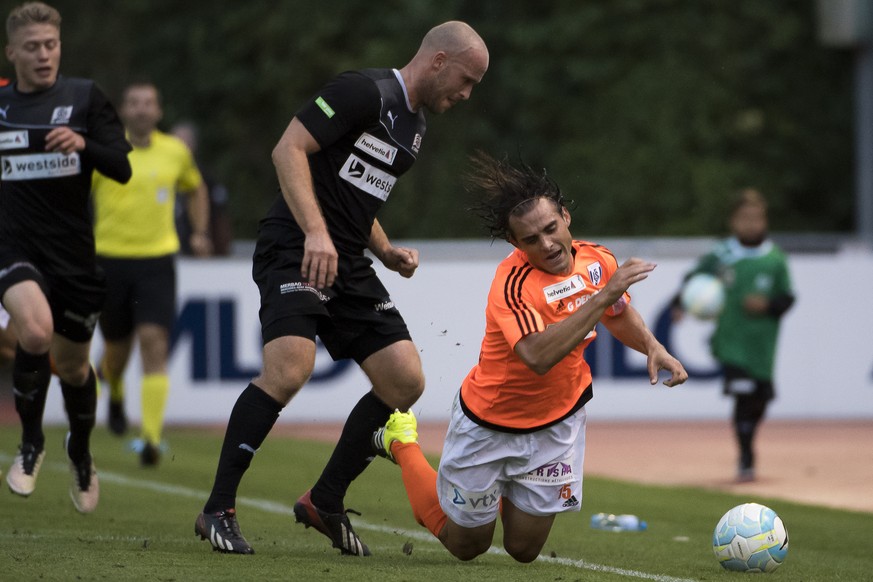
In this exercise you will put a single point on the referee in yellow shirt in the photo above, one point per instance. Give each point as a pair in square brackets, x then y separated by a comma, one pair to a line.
[136, 245]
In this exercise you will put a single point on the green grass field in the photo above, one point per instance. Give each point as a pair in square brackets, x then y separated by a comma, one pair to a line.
[143, 528]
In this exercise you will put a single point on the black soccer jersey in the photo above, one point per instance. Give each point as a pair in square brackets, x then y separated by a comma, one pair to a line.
[369, 136]
[44, 196]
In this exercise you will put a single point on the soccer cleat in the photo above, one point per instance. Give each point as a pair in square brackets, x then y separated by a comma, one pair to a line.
[745, 475]
[84, 487]
[24, 470]
[401, 427]
[150, 455]
[222, 531]
[336, 526]
[117, 418]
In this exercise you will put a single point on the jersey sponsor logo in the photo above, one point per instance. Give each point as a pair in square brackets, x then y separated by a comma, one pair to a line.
[61, 115]
[566, 288]
[12, 140]
[365, 177]
[36, 166]
[322, 104]
[595, 272]
[476, 501]
[376, 148]
[554, 473]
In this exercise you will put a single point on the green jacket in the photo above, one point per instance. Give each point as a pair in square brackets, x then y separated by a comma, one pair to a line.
[741, 339]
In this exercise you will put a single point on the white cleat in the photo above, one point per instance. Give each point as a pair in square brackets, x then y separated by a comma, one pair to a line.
[84, 488]
[24, 470]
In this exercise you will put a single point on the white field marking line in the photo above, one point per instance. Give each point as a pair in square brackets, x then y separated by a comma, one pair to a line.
[281, 509]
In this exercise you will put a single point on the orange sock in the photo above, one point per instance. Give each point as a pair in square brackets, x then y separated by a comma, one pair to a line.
[420, 478]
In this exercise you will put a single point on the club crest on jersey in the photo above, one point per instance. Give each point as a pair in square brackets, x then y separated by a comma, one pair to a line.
[595, 272]
[566, 288]
[62, 115]
[416, 143]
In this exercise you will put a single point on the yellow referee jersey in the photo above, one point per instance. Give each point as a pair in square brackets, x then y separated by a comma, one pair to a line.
[136, 220]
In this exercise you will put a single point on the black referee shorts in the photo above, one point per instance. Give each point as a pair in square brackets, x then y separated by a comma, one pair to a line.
[354, 318]
[138, 291]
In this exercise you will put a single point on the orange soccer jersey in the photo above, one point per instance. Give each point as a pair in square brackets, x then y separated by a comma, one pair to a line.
[501, 390]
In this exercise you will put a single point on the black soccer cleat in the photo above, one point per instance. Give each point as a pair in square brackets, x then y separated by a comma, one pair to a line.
[117, 418]
[150, 455]
[222, 531]
[336, 526]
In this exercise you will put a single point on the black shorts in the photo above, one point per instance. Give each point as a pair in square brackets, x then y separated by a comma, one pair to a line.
[354, 318]
[737, 382]
[75, 298]
[138, 291]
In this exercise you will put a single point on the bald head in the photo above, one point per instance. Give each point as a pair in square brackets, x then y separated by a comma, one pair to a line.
[451, 60]
[453, 38]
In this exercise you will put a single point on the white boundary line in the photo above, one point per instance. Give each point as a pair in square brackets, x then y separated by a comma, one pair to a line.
[281, 509]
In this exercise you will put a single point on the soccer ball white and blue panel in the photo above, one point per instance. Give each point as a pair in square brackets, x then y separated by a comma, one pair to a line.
[750, 538]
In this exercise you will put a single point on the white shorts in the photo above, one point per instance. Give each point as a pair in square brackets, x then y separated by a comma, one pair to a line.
[539, 472]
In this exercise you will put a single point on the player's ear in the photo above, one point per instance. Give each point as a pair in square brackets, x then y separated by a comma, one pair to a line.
[439, 60]
[566, 215]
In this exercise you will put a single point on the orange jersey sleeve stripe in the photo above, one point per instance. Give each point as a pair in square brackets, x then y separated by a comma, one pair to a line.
[512, 293]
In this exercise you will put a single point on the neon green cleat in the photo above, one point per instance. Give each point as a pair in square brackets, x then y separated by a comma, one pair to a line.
[401, 427]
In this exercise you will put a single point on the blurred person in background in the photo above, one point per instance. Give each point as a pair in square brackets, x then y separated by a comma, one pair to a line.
[55, 132]
[220, 227]
[758, 293]
[137, 243]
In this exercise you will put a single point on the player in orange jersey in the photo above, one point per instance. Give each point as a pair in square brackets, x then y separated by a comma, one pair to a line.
[516, 440]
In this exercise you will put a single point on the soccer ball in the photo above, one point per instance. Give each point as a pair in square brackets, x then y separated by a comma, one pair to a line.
[703, 296]
[750, 538]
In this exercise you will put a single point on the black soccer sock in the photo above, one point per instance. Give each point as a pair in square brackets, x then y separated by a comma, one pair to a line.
[251, 420]
[80, 403]
[31, 374]
[353, 453]
[745, 431]
[749, 411]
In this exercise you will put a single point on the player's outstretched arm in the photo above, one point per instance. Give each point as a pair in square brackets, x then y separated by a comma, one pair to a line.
[629, 328]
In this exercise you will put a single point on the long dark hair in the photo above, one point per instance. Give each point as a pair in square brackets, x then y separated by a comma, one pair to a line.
[506, 189]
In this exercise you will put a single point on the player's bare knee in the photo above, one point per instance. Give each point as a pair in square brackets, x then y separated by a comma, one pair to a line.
[468, 551]
[34, 339]
[523, 555]
[72, 372]
[524, 551]
[402, 392]
[282, 383]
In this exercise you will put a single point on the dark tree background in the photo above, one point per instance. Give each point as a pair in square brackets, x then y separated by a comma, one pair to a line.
[649, 113]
